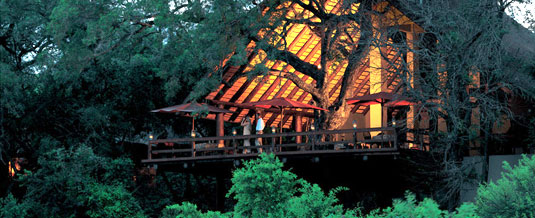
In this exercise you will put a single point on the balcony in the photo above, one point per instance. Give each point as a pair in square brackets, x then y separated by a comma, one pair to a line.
[348, 142]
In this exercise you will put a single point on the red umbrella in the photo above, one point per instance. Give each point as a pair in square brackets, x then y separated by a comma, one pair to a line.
[283, 103]
[191, 108]
[383, 98]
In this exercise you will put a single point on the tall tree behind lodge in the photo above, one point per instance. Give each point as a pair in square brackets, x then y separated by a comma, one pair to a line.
[346, 32]
[459, 63]
[451, 39]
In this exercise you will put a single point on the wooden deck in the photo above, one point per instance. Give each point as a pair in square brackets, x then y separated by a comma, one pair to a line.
[312, 143]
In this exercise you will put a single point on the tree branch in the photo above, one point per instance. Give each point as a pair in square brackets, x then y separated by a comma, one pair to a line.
[309, 7]
[354, 59]
[3, 39]
[293, 60]
[303, 21]
[303, 85]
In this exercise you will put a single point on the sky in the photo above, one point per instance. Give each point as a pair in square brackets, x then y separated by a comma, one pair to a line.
[523, 13]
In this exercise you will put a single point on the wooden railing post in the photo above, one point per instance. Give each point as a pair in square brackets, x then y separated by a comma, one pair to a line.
[273, 144]
[383, 140]
[395, 139]
[220, 128]
[355, 140]
[173, 148]
[313, 137]
[193, 148]
[298, 123]
[149, 151]
[235, 146]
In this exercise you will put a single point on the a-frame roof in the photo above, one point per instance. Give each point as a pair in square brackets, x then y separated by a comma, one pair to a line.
[306, 45]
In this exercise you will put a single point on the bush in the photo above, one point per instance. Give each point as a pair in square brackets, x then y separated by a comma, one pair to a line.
[261, 187]
[189, 210]
[263, 190]
[75, 183]
[513, 195]
[10, 208]
[409, 208]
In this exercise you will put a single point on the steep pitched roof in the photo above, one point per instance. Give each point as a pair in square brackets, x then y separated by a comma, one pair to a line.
[306, 45]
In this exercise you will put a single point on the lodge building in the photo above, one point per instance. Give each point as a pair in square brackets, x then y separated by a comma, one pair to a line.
[366, 128]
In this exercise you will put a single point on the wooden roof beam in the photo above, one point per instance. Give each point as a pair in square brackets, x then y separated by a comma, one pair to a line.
[270, 110]
[337, 83]
[258, 86]
[299, 53]
[293, 92]
[234, 77]
[250, 96]
[291, 28]
[359, 88]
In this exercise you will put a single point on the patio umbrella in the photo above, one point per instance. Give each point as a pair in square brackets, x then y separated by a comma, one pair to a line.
[383, 98]
[282, 103]
[191, 108]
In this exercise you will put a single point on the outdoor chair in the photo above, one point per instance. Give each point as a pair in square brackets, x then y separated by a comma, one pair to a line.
[367, 136]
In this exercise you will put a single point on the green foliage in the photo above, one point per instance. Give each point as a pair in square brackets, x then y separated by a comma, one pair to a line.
[74, 183]
[263, 189]
[198, 40]
[313, 202]
[513, 195]
[87, 72]
[410, 208]
[189, 210]
[530, 139]
[10, 208]
[111, 201]
[466, 210]
[77, 72]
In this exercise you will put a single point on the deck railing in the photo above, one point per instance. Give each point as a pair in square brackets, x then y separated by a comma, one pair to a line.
[291, 143]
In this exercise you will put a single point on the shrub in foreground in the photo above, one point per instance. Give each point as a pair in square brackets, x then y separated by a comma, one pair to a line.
[262, 189]
[513, 195]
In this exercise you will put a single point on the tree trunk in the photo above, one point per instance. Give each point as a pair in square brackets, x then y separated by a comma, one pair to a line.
[338, 117]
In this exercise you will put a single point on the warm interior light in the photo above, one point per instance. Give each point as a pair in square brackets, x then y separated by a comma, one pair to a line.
[151, 137]
[312, 127]
[273, 129]
[193, 134]
[11, 169]
[234, 132]
[393, 122]
[354, 124]
[375, 118]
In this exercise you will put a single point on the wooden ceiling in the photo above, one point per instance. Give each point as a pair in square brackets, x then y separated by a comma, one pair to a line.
[306, 45]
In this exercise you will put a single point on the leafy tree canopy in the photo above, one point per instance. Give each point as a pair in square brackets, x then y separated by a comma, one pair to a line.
[75, 183]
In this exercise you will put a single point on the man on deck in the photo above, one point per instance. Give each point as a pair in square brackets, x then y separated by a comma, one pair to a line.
[259, 129]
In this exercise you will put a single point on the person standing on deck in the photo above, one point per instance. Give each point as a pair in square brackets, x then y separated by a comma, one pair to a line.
[259, 129]
[247, 127]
